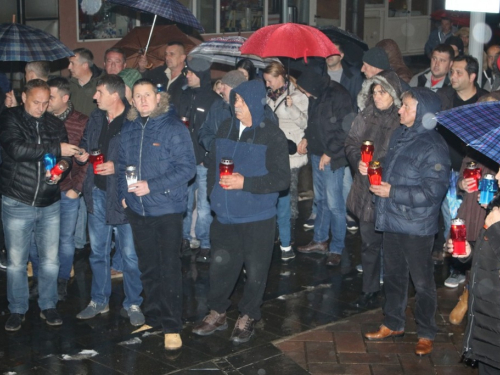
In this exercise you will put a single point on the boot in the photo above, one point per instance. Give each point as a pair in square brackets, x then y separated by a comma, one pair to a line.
[292, 231]
[458, 313]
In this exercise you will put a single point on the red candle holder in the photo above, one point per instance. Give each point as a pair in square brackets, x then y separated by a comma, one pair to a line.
[226, 168]
[473, 171]
[458, 235]
[96, 158]
[367, 150]
[375, 173]
[58, 170]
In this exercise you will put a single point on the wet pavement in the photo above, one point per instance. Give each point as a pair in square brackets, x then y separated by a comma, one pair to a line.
[308, 326]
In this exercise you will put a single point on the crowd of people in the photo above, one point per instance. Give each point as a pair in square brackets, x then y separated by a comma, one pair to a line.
[142, 150]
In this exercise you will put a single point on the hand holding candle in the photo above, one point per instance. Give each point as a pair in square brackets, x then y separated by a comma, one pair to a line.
[458, 235]
[367, 150]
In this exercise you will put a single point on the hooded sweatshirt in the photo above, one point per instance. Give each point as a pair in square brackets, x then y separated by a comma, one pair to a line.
[417, 166]
[260, 155]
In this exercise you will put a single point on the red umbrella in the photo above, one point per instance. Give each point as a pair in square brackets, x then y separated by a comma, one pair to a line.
[289, 40]
[458, 18]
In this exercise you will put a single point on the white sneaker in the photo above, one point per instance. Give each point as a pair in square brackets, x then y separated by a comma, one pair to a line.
[454, 280]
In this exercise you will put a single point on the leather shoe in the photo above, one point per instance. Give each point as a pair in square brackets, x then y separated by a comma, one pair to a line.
[458, 313]
[212, 322]
[333, 259]
[366, 299]
[383, 333]
[424, 347]
[314, 247]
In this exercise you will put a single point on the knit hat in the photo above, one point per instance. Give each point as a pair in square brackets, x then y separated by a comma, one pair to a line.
[313, 82]
[377, 58]
[233, 78]
[198, 65]
[130, 76]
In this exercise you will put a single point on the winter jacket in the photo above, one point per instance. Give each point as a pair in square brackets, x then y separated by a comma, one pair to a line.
[329, 121]
[75, 124]
[292, 120]
[376, 126]
[115, 214]
[24, 141]
[82, 96]
[395, 59]
[158, 75]
[162, 151]
[195, 104]
[417, 166]
[437, 37]
[260, 155]
[481, 338]
[424, 80]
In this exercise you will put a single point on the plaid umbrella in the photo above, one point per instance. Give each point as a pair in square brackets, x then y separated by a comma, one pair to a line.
[169, 9]
[477, 124]
[24, 43]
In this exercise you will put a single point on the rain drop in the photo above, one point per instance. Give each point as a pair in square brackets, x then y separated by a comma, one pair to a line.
[262, 124]
[333, 119]
[438, 167]
[261, 372]
[429, 121]
[482, 33]
[263, 101]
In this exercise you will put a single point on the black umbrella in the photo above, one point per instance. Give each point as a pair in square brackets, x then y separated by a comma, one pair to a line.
[352, 45]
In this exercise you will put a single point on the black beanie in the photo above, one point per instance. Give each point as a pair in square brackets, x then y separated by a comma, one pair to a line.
[198, 65]
[312, 82]
[377, 58]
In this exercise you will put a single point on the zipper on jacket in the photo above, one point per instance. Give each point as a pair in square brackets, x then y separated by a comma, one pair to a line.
[38, 166]
[140, 163]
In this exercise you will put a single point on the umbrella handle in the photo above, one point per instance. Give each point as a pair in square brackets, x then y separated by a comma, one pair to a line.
[150, 34]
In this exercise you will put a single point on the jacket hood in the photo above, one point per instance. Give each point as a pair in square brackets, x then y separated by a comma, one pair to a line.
[201, 68]
[314, 83]
[163, 107]
[428, 105]
[388, 80]
[254, 94]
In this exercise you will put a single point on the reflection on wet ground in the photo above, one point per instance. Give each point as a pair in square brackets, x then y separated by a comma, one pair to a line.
[301, 295]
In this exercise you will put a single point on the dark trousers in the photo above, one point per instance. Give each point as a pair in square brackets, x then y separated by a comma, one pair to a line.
[234, 246]
[485, 369]
[157, 241]
[408, 256]
[370, 256]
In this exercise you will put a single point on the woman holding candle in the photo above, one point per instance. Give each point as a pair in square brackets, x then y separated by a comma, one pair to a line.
[379, 103]
[290, 106]
[481, 339]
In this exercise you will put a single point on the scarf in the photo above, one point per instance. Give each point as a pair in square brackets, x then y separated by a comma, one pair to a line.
[274, 95]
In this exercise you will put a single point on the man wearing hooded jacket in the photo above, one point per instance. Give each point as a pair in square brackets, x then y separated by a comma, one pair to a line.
[195, 103]
[415, 180]
[245, 208]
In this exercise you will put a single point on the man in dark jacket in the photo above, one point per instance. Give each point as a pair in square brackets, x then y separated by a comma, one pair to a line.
[329, 121]
[196, 101]
[169, 75]
[71, 187]
[156, 142]
[29, 203]
[415, 179]
[105, 210]
[245, 209]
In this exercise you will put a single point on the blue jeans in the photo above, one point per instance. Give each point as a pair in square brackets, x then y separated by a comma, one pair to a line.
[330, 209]
[204, 216]
[100, 243]
[19, 221]
[117, 261]
[347, 183]
[69, 215]
[81, 226]
[283, 218]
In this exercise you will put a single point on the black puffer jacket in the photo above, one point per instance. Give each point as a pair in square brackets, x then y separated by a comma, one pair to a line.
[374, 125]
[25, 140]
[481, 338]
[417, 166]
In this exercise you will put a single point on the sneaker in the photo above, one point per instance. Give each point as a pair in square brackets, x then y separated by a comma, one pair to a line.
[116, 274]
[135, 315]
[287, 253]
[14, 322]
[352, 225]
[51, 317]
[454, 280]
[243, 329]
[93, 309]
[214, 321]
[309, 223]
[62, 289]
[359, 268]
[3, 260]
[203, 255]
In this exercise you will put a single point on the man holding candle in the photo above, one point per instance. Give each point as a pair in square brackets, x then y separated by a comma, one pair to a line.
[244, 203]
[105, 210]
[415, 181]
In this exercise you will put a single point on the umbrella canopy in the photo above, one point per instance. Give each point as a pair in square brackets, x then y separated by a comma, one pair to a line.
[459, 18]
[169, 9]
[289, 40]
[352, 45]
[478, 125]
[226, 50]
[134, 43]
[24, 43]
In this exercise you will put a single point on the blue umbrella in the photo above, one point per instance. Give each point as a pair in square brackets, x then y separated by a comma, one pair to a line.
[478, 125]
[169, 9]
[24, 43]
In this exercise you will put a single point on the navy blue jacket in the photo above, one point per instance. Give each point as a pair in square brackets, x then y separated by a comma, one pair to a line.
[162, 151]
[260, 155]
[115, 214]
[417, 166]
